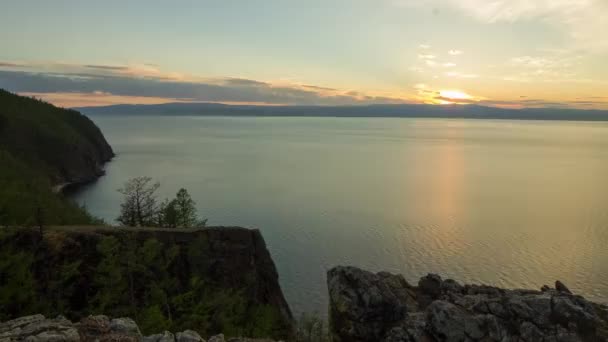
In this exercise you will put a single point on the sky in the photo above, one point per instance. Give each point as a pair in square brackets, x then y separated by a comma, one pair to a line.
[506, 53]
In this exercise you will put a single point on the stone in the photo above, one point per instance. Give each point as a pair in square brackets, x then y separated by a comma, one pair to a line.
[217, 338]
[446, 321]
[125, 326]
[19, 323]
[567, 312]
[37, 328]
[364, 305]
[94, 326]
[561, 287]
[529, 332]
[188, 336]
[451, 286]
[430, 285]
[164, 337]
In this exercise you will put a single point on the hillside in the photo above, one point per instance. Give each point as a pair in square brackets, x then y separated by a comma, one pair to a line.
[44, 147]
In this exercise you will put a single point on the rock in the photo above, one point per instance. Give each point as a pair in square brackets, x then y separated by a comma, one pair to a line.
[561, 287]
[94, 326]
[430, 285]
[448, 311]
[569, 314]
[446, 321]
[164, 337]
[15, 325]
[188, 336]
[217, 338]
[451, 286]
[364, 305]
[124, 326]
[37, 328]
[529, 332]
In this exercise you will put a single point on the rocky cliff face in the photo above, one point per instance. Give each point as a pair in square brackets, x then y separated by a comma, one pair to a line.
[368, 307]
[37, 328]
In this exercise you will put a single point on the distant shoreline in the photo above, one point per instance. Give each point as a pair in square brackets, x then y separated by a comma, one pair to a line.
[373, 111]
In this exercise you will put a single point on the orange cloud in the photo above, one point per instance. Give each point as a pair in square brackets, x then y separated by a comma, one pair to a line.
[96, 99]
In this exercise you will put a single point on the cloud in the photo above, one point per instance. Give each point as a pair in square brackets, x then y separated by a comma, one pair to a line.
[105, 67]
[457, 74]
[424, 46]
[96, 98]
[112, 84]
[553, 66]
[10, 65]
[580, 20]
[455, 52]
[422, 56]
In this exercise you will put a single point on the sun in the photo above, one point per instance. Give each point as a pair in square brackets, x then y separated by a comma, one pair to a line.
[454, 95]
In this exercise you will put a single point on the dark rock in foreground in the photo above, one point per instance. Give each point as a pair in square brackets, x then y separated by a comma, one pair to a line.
[100, 328]
[383, 307]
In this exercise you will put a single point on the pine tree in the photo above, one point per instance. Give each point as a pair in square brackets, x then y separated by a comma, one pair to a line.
[185, 208]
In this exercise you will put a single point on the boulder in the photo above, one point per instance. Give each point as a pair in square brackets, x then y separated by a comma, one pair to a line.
[188, 336]
[430, 285]
[364, 305]
[217, 338]
[124, 326]
[164, 337]
[94, 326]
[37, 328]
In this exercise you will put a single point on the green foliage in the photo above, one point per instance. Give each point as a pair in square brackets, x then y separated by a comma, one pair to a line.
[140, 209]
[311, 328]
[17, 292]
[39, 146]
[185, 208]
[121, 274]
[152, 319]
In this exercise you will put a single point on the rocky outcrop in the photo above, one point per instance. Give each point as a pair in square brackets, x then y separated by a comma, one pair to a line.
[38, 328]
[377, 307]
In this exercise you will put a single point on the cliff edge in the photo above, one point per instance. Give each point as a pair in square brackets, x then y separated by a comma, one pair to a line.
[212, 280]
[376, 307]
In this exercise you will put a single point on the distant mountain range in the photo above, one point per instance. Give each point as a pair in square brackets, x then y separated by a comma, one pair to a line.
[400, 110]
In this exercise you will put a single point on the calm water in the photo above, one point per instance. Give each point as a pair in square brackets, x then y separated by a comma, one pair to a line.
[510, 203]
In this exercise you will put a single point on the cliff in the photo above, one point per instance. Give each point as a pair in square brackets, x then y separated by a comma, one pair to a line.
[66, 145]
[214, 280]
[368, 307]
[42, 149]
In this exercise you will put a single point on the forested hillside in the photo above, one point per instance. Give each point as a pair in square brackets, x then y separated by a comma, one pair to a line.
[41, 147]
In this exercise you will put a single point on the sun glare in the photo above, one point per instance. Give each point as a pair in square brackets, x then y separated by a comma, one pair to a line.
[454, 95]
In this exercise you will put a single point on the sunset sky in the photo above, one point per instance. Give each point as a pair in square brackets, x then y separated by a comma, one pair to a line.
[508, 53]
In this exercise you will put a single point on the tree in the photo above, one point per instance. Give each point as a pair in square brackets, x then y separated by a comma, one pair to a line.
[139, 205]
[39, 217]
[185, 209]
[170, 215]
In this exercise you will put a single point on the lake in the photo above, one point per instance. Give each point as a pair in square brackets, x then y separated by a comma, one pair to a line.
[509, 203]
